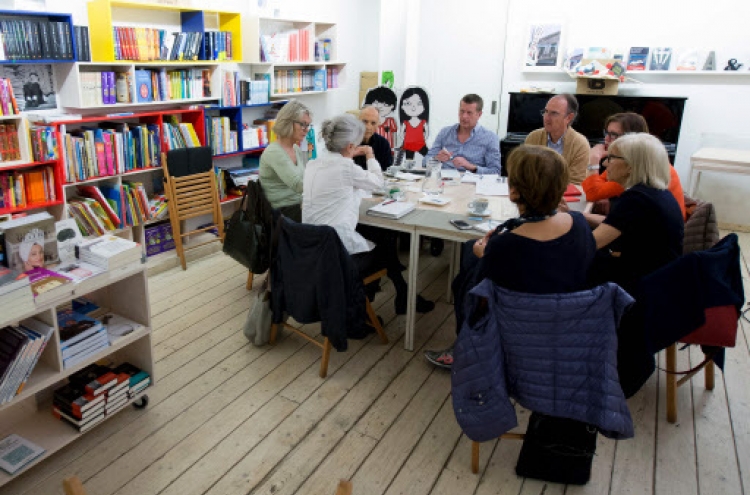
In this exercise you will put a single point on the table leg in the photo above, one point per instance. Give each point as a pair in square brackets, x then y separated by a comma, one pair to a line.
[453, 269]
[411, 298]
[695, 178]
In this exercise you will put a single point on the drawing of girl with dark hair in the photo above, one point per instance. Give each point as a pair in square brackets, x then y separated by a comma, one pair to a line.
[414, 113]
[384, 100]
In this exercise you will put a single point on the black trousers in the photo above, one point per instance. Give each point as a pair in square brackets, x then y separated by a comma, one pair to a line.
[469, 275]
[384, 255]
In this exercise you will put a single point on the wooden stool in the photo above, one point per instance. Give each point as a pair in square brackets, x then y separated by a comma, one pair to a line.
[475, 449]
[673, 383]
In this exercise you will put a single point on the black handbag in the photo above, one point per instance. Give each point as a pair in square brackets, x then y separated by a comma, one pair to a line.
[248, 235]
[559, 450]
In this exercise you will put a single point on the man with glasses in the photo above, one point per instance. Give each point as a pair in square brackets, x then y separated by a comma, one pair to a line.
[558, 115]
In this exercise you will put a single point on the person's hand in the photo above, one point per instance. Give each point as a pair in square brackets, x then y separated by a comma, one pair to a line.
[364, 150]
[359, 150]
[481, 244]
[443, 155]
[462, 162]
[596, 154]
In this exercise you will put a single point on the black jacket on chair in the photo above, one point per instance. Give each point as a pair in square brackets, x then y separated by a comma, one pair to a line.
[313, 278]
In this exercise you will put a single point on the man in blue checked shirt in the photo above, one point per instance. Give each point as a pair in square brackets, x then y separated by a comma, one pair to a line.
[466, 145]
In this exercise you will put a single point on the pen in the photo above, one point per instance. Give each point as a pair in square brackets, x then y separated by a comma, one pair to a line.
[388, 202]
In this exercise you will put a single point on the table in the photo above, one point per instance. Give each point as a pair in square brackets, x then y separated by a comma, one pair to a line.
[717, 160]
[434, 221]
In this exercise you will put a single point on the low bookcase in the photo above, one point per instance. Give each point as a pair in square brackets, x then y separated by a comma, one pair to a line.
[125, 292]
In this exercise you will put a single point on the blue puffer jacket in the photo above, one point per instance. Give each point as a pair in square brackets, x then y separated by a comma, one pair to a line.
[555, 353]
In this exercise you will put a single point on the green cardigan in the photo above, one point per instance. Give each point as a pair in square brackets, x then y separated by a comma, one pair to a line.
[280, 178]
[575, 151]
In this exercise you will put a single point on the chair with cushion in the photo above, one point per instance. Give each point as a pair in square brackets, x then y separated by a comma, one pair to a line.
[313, 279]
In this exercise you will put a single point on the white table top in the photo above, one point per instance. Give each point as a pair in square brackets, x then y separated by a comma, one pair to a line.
[722, 155]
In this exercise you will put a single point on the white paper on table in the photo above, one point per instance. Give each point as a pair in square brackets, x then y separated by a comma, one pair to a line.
[407, 176]
[490, 186]
[450, 173]
[470, 177]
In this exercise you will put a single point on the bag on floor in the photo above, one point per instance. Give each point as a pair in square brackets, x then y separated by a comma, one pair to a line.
[258, 324]
[558, 450]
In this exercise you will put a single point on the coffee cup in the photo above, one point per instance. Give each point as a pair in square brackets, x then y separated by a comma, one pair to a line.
[479, 206]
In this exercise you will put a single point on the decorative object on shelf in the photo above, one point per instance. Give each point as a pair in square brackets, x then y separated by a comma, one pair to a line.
[638, 58]
[387, 79]
[688, 59]
[710, 63]
[661, 58]
[543, 46]
[733, 64]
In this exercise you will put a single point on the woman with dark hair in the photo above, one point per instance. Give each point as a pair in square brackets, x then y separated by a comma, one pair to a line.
[414, 113]
[542, 251]
[384, 100]
[596, 186]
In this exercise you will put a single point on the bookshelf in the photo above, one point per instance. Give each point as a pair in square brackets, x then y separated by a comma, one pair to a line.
[106, 15]
[38, 37]
[29, 414]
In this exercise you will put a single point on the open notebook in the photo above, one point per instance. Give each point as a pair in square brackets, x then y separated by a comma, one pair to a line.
[391, 209]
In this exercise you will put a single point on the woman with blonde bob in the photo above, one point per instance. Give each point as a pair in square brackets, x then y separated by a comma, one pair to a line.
[282, 164]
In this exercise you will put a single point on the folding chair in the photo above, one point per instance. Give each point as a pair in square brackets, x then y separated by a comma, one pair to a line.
[190, 186]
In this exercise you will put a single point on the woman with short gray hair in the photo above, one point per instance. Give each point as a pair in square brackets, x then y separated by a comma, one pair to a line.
[282, 164]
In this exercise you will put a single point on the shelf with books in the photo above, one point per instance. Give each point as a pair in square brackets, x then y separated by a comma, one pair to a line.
[117, 32]
[36, 37]
[30, 207]
[240, 153]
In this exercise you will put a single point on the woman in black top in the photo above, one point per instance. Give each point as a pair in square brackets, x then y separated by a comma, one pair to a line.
[543, 251]
[643, 232]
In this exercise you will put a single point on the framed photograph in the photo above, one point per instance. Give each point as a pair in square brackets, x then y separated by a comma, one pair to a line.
[33, 86]
[543, 46]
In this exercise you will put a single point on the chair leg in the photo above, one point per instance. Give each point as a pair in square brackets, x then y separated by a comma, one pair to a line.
[671, 383]
[325, 359]
[709, 370]
[249, 285]
[274, 329]
[375, 322]
[73, 486]
[344, 488]
[475, 457]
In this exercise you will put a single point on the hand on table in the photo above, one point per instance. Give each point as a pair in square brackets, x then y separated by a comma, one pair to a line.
[462, 162]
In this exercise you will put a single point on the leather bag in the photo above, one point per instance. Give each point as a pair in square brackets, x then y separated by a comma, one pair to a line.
[248, 236]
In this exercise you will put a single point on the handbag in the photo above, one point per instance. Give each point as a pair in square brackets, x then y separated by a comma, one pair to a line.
[247, 239]
[258, 324]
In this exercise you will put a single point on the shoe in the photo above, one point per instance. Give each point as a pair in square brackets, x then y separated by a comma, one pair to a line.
[436, 247]
[442, 359]
[423, 305]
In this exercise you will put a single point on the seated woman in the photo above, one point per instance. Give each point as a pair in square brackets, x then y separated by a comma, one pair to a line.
[642, 232]
[542, 251]
[282, 164]
[596, 187]
[331, 196]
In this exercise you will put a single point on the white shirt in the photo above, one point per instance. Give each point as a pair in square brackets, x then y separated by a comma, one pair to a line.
[331, 194]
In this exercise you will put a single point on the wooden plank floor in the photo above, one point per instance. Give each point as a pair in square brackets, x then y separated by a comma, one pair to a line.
[229, 418]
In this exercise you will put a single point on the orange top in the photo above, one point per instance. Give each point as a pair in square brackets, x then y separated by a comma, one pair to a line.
[597, 187]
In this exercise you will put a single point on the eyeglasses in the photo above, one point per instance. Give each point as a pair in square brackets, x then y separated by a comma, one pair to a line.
[610, 156]
[612, 135]
[303, 125]
[550, 113]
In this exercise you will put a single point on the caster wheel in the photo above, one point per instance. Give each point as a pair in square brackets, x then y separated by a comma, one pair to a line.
[141, 403]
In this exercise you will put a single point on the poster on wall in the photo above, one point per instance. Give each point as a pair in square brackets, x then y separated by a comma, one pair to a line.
[33, 86]
[543, 45]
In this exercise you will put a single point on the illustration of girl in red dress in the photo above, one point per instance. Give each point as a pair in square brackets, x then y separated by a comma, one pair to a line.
[414, 113]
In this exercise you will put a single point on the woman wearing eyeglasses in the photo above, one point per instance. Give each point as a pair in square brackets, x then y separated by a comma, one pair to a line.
[282, 164]
[642, 232]
[596, 186]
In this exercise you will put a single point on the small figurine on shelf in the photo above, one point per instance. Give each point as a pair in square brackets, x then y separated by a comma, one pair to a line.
[733, 64]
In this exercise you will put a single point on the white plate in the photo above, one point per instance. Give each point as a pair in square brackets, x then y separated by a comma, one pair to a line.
[475, 214]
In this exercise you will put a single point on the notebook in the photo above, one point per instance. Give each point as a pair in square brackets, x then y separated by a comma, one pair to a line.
[392, 209]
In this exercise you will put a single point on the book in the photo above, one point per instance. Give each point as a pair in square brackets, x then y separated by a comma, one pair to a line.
[143, 88]
[48, 285]
[30, 241]
[137, 375]
[68, 236]
[12, 280]
[94, 379]
[392, 209]
[638, 58]
[75, 397]
[661, 59]
[75, 327]
[110, 251]
[118, 326]
[16, 452]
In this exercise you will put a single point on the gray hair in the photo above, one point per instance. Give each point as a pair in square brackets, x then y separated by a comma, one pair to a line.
[341, 131]
[288, 115]
[647, 157]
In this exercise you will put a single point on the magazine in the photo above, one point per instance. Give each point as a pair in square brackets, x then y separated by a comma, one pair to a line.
[16, 452]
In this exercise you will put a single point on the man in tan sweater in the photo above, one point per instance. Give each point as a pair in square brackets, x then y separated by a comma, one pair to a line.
[560, 112]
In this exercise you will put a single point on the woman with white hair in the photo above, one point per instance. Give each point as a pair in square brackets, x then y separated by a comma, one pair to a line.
[282, 164]
[332, 194]
[642, 233]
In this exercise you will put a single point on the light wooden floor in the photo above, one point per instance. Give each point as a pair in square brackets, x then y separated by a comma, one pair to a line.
[228, 418]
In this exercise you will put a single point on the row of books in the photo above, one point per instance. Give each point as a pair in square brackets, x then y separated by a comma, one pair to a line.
[117, 149]
[16, 297]
[103, 209]
[254, 136]
[287, 46]
[83, 47]
[179, 135]
[8, 105]
[96, 392]
[103, 88]
[221, 135]
[81, 336]
[219, 45]
[24, 39]
[9, 148]
[299, 80]
[641, 58]
[142, 44]
[20, 349]
[163, 85]
[44, 144]
[21, 188]
[236, 90]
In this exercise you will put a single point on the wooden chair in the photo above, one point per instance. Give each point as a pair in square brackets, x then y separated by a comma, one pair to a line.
[673, 383]
[190, 186]
[475, 449]
[326, 344]
[344, 488]
[73, 486]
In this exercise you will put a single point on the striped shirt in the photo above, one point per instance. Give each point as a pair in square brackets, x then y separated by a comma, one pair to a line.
[556, 146]
[481, 149]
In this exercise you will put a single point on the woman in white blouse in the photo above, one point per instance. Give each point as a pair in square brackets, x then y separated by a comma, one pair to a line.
[332, 189]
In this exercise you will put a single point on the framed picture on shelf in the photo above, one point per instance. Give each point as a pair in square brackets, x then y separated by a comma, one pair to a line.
[33, 86]
[543, 45]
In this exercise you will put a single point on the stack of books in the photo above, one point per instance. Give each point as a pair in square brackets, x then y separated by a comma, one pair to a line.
[81, 336]
[21, 188]
[138, 379]
[16, 297]
[44, 145]
[20, 349]
[110, 252]
[8, 104]
[75, 406]
[9, 148]
[83, 48]
[48, 285]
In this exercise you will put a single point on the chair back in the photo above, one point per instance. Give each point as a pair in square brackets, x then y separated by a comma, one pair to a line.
[701, 226]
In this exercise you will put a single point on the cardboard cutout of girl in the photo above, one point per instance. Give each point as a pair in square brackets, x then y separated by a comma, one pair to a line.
[414, 114]
[384, 99]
